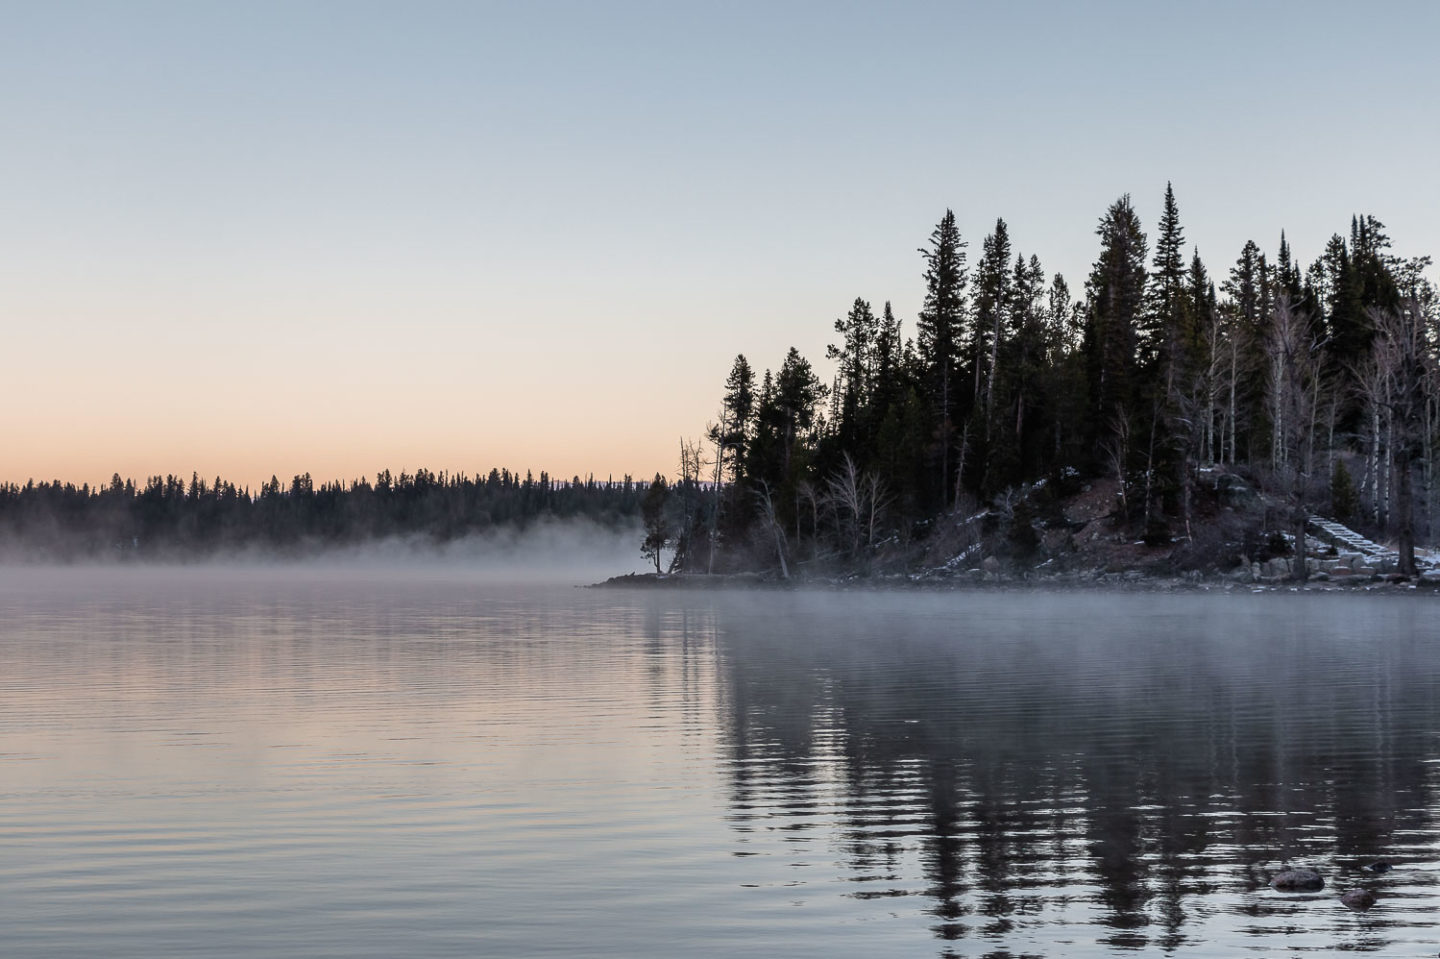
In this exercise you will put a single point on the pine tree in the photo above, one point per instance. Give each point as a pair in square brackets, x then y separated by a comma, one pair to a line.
[657, 525]
[1249, 333]
[1016, 447]
[992, 299]
[763, 447]
[737, 406]
[1159, 341]
[1243, 287]
[1287, 273]
[1211, 360]
[1347, 328]
[1065, 324]
[860, 332]
[1344, 501]
[798, 394]
[940, 326]
[729, 437]
[888, 371]
[1115, 291]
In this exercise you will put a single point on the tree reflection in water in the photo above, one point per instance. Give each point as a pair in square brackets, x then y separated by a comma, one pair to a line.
[1124, 770]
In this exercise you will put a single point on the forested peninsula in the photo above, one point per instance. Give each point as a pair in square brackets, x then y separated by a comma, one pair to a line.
[1163, 419]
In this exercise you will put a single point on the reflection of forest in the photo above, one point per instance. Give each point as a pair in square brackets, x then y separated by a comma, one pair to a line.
[1118, 760]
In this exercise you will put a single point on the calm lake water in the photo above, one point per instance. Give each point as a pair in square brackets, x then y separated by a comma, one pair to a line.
[357, 763]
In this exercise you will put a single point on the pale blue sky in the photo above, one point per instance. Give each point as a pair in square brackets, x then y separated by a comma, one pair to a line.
[272, 237]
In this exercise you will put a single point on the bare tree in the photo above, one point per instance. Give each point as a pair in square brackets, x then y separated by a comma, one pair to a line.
[1405, 360]
[1293, 364]
[1117, 455]
[767, 515]
[1233, 377]
[716, 434]
[877, 499]
[1372, 384]
[1213, 379]
[692, 467]
[857, 499]
[843, 492]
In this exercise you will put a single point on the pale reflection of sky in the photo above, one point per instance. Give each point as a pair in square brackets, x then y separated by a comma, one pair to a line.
[365, 763]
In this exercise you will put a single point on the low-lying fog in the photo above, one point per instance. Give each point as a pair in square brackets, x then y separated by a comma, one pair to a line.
[549, 551]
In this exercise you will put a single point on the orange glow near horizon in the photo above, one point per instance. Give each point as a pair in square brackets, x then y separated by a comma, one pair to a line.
[252, 240]
[90, 450]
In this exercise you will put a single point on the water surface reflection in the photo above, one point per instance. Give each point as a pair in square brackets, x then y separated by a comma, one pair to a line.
[296, 763]
[1063, 774]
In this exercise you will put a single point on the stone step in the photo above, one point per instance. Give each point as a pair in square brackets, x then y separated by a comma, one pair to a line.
[1375, 555]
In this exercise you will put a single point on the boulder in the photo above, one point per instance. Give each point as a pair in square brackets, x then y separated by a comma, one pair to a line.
[1274, 570]
[1297, 880]
[1358, 899]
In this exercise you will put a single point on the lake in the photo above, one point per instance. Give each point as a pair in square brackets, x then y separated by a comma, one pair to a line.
[428, 762]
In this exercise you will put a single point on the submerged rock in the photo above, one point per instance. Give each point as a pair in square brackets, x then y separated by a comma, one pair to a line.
[1378, 865]
[1358, 899]
[1297, 880]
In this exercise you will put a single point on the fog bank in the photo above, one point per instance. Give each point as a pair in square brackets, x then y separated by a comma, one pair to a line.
[549, 550]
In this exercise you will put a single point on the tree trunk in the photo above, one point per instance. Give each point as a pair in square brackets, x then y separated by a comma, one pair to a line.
[724, 431]
[767, 511]
[780, 551]
[945, 432]
[1388, 464]
[1302, 519]
[1372, 465]
[1405, 511]
[1233, 376]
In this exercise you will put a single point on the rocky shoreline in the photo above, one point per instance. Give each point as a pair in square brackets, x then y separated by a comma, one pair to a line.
[1078, 543]
[1087, 580]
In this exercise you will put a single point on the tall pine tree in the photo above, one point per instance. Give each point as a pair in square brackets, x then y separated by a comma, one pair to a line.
[1116, 293]
[940, 327]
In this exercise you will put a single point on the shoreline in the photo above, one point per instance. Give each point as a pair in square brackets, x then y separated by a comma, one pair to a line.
[1128, 581]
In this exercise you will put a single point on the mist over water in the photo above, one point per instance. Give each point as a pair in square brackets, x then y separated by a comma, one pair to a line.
[549, 550]
[375, 761]
[546, 551]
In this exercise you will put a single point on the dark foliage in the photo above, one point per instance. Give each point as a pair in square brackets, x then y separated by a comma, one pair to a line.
[167, 518]
[1153, 379]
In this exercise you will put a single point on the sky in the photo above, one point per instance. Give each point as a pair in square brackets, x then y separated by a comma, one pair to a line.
[269, 238]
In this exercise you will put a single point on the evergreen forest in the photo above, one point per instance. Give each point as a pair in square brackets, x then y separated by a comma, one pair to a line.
[167, 518]
[1314, 386]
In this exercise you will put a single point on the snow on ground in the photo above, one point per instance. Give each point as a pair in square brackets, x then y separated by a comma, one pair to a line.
[1349, 540]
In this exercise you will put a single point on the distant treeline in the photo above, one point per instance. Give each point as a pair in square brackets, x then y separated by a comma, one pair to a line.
[1319, 382]
[169, 518]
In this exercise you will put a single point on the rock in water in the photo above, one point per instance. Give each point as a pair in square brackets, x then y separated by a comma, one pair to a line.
[1359, 899]
[1297, 880]
[1378, 865]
